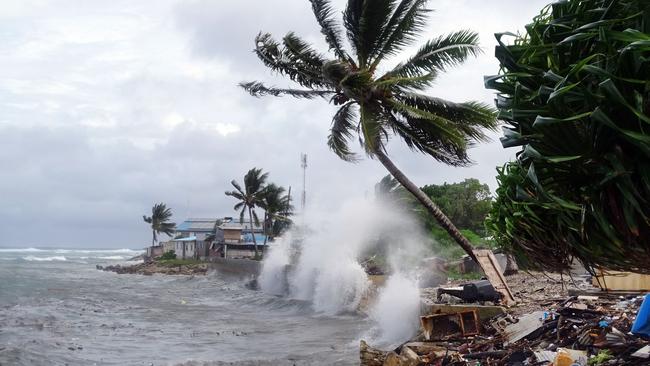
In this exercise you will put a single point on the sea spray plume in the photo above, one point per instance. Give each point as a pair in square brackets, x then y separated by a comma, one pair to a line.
[273, 278]
[397, 310]
[327, 271]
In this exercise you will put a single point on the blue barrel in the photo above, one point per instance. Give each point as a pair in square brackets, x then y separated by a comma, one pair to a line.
[641, 325]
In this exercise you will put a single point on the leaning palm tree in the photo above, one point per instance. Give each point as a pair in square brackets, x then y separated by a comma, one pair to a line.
[376, 105]
[159, 220]
[250, 197]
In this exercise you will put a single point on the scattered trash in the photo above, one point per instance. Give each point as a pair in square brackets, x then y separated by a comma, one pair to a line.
[472, 292]
[642, 323]
[642, 353]
[574, 331]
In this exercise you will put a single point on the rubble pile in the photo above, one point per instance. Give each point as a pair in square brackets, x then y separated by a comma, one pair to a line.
[151, 268]
[574, 331]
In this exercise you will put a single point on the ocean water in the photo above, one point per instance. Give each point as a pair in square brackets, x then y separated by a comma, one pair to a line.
[57, 309]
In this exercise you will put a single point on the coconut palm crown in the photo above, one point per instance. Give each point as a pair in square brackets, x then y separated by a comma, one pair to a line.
[249, 197]
[376, 105]
[159, 220]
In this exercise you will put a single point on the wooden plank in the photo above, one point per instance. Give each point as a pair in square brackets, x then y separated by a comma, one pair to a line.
[493, 273]
[621, 281]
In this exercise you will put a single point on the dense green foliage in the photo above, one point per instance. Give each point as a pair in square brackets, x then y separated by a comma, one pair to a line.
[160, 221]
[574, 91]
[168, 255]
[466, 203]
[277, 210]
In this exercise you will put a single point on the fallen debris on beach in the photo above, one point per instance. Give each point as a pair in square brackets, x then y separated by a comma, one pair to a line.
[579, 330]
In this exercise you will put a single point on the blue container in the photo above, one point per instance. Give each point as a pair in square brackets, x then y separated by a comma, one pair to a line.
[641, 326]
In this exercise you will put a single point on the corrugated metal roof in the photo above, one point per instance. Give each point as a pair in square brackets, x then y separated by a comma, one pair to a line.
[189, 238]
[207, 225]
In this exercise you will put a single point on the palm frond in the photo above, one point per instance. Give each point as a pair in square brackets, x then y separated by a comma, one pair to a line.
[439, 54]
[406, 23]
[365, 22]
[406, 84]
[255, 180]
[427, 135]
[257, 89]
[300, 53]
[371, 127]
[237, 187]
[241, 213]
[256, 220]
[343, 125]
[235, 194]
[278, 59]
[329, 28]
[472, 119]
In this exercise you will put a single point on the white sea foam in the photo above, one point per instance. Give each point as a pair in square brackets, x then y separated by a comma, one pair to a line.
[19, 250]
[89, 251]
[113, 257]
[44, 259]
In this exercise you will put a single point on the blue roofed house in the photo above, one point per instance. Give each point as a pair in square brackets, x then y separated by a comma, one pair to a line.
[201, 238]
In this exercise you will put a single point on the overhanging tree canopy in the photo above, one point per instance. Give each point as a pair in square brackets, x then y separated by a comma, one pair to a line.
[575, 93]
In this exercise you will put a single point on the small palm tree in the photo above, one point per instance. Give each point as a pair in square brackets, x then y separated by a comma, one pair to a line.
[277, 210]
[159, 220]
[376, 105]
[250, 197]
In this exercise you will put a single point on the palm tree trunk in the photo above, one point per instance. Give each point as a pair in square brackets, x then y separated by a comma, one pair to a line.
[153, 239]
[433, 209]
[266, 234]
[250, 219]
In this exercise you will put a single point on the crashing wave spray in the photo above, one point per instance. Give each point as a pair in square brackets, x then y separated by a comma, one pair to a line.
[322, 266]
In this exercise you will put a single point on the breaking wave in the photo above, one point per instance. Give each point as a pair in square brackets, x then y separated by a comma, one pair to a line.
[32, 258]
[21, 250]
[113, 257]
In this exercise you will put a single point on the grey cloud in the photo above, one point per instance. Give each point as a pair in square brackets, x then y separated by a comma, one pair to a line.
[94, 133]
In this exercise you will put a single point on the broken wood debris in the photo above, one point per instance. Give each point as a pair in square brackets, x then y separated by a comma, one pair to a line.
[572, 331]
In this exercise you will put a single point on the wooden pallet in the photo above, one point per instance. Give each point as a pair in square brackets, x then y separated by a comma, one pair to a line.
[493, 273]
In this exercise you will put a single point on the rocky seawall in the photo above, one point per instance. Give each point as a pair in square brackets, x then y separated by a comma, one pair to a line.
[150, 268]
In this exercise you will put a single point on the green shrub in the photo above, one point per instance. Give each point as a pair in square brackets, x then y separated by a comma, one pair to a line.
[574, 93]
[168, 255]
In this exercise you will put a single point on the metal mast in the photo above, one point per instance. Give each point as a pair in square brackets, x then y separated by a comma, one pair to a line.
[303, 164]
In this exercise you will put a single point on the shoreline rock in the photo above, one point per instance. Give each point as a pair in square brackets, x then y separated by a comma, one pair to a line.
[148, 269]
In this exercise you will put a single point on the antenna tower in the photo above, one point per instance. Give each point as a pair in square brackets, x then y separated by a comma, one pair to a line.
[303, 165]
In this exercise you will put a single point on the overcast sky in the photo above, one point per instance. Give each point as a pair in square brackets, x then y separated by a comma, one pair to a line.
[107, 107]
